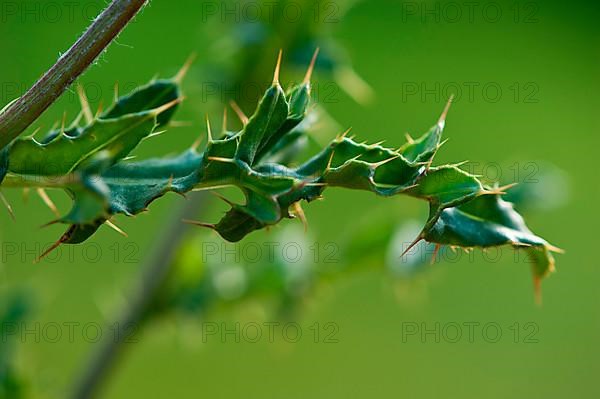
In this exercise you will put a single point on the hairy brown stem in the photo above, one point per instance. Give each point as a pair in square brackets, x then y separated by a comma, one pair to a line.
[25, 110]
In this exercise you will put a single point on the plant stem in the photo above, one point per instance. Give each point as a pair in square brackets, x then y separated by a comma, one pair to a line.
[25, 110]
[150, 282]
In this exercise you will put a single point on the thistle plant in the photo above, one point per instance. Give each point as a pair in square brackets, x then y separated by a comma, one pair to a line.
[88, 159]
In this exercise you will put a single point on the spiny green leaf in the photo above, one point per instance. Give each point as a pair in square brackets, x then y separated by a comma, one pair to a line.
[117, 132]
[463, 212]
[298, 102]
[145, 98]
[64, 154]
[269, 117]
[89, 201]
[447, 185]
[133, 186]
[87, 151]
[489, 221]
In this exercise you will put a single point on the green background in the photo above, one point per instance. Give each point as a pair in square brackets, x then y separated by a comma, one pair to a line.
[552, 46]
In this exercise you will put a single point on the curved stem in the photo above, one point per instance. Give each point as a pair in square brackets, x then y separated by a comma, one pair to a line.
[26, 109]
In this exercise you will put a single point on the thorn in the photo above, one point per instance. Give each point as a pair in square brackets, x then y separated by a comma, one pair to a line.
[208, 130]
[221, 159]
[178, 78]
[499, 190]
[356, 158]
[52, 248]
[330, 160]
[77, 119]
[212, 187]
[240, 114]
[163, 108]
[99, 111]
[85, 105]
[311, 67]
[129, 158]
[64, 238]
[315, 185]
[8, 207]
[508, 186]
[54, 126]
[442, 120]
[298, 211]
[49, 203]
[50, 223]
[180, 123]
[436, 250]
[409, 138]
[116, 92]
[430, 162]
[552, 248]
[380, 163]
[277, 68]
[441, 144]
[379, 143]
[32, 135]
[221, 197]
[154, 134]
[415, 242]
[116, 228]
[344, 134]
[62, 124]
[224, 124]
[459, 164]
[195, 223]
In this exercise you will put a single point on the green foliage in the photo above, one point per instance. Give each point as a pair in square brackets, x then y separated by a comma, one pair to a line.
[91, 167]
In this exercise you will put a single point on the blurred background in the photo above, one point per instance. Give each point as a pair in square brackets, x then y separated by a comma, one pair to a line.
[353, 320]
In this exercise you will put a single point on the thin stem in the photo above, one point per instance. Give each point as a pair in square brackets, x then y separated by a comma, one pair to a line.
[25, 110]
[150, 282]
